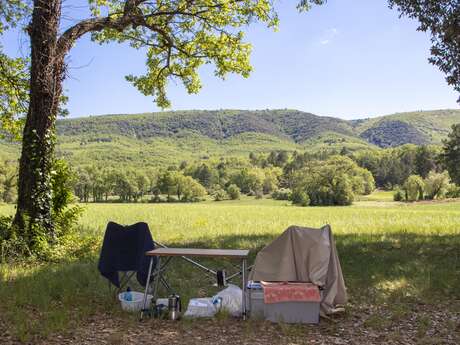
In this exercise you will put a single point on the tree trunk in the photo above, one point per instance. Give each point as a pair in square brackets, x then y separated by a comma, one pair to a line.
[34, 206]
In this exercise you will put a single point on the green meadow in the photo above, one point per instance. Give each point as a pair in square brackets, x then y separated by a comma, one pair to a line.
[390, 252]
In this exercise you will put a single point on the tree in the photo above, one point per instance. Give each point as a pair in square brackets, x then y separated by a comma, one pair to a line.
[233, 192]
[300, 197]
[205, 175]
[425, 160]
[436, 185]
[414, 187]
[14, 74]
[166, 183]
[83, 186]
[442, 19]
[219, 194]
[178, 35]
[8, 177]
[192, 191]
[450, 156]
[331, 182]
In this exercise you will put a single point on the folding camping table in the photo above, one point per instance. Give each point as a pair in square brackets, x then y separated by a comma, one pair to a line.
[185, 253]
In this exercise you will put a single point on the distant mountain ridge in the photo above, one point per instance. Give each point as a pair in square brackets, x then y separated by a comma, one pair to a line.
[165, 138]
[426, 127]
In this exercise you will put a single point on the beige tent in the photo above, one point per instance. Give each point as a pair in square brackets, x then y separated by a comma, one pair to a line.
[305, 255]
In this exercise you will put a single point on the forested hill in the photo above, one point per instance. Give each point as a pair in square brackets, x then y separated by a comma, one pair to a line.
[428, 127]
[153, 139]
[290, 125]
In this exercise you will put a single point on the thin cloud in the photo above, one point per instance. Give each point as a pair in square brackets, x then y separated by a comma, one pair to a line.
[329, 36]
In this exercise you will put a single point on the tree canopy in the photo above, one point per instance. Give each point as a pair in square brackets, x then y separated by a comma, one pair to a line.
[14, 72]
[442, 19]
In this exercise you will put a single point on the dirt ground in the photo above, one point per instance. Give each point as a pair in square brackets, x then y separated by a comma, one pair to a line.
[419, 324]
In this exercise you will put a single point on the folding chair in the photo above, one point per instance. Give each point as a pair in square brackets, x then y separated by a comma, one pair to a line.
[123, 255]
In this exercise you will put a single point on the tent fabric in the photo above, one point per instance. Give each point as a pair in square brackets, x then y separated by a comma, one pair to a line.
[304, 255]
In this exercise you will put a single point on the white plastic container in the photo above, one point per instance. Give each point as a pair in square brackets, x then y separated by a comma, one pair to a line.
[136, 303]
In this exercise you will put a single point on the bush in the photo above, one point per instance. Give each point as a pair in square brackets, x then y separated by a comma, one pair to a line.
[64, 215]
[282, 194]
[233, 192]
[398, 195]
[413, 188]
[453, 191]
[300, 197]
[436, 185]
[220, 195]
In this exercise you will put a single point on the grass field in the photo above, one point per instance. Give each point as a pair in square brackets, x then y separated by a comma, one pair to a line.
[392, 253]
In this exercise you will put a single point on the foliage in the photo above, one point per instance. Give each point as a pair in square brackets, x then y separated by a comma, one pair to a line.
[398, 195]
[451, 154]
[453, 191]
[426, 160]
[192, 191]
[282, 194]
[180, 37]
[414, 187]
[300, 197]
[39, 243]
[219, 194]
[8, 182]
[330, 182]
[233, 192]
[436, 185]
[14, 73]
[65, 215]
[441, 19]
[170, 137]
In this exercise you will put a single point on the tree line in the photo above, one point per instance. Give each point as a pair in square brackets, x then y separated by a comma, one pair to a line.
[324, 177]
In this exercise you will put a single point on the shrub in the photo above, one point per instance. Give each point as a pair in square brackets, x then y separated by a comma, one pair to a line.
[300, 197]
[233, 192]
[436, 185]
[398, 195]
[342, 191]
[333, 181]
[220, 195]
[453, 191]
[413, 188]
[192, 191]
[64, 215]
[282, 194]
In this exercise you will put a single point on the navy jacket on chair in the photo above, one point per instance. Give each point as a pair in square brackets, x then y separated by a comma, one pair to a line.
[124, 249]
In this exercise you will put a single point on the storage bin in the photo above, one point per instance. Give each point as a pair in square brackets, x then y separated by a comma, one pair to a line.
[292, 312]
[286, 312]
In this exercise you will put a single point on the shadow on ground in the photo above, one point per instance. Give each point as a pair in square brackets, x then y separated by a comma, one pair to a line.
[378, 269]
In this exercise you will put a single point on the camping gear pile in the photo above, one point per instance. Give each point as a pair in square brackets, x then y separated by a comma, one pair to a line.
[305, 261]
[294, 279]
[227, 300]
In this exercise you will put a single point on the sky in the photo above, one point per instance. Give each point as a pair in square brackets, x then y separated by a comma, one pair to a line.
[349, 59]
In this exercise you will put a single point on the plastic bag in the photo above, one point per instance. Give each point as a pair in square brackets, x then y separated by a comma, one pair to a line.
[200, 307]
[231, 300]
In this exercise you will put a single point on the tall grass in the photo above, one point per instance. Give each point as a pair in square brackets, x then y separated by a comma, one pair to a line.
[389, 251]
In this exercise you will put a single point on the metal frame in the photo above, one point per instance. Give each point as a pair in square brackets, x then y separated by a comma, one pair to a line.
[159, 277]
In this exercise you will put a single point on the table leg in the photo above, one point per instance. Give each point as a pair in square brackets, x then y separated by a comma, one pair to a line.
[243, 270]
[156, 281]
[147, 285]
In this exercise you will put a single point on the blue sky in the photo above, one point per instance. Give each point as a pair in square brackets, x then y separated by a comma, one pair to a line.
[349, 58]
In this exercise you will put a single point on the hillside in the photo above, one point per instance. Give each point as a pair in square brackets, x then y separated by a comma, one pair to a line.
[423, 127]
[153, 139]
